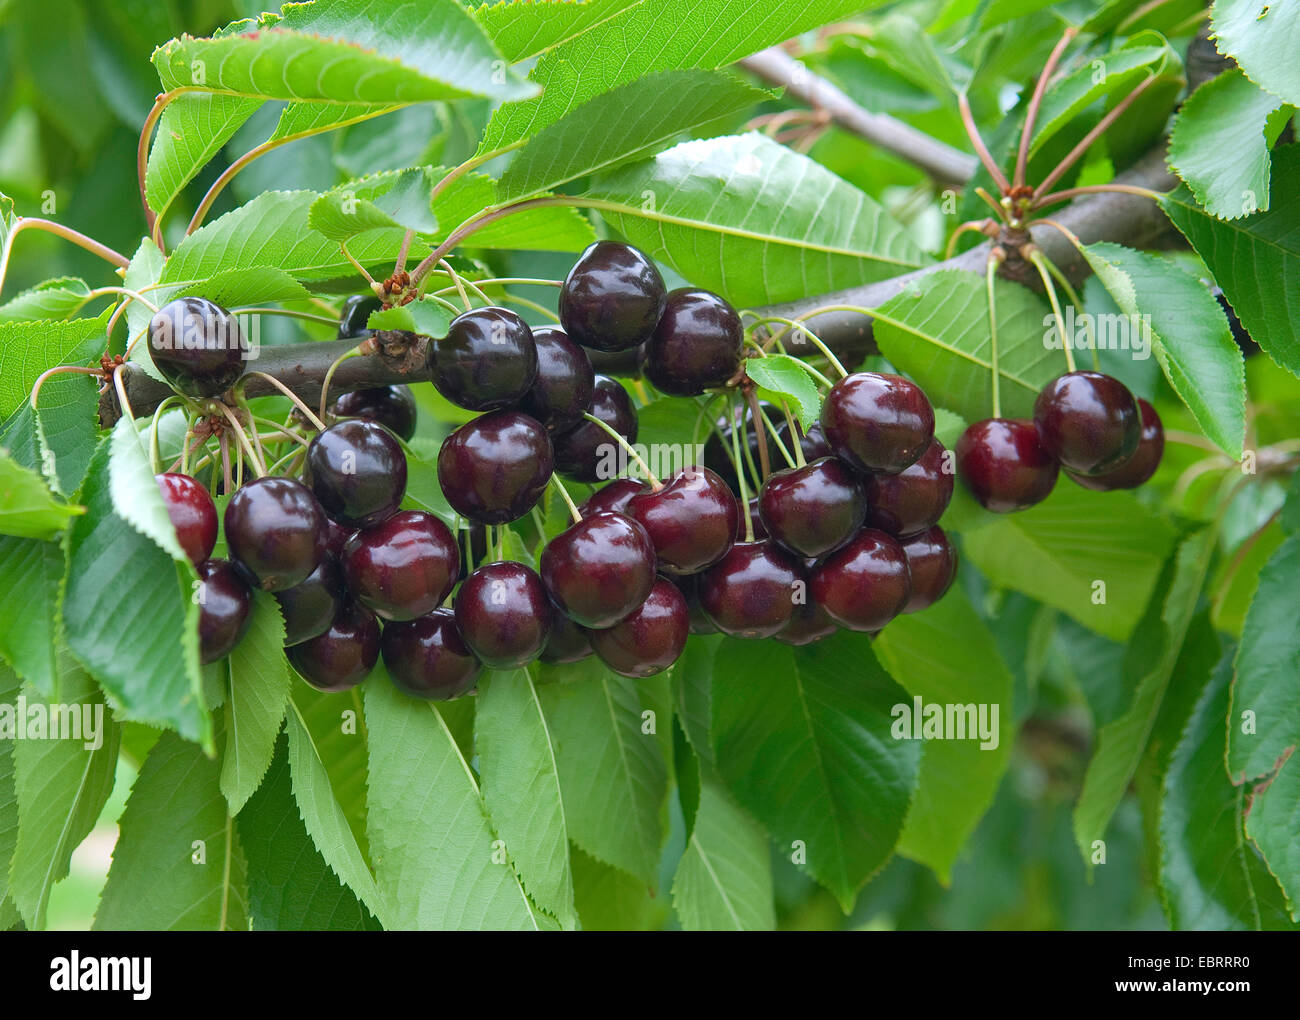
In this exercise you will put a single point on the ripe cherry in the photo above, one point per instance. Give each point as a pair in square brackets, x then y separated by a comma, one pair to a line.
[809, 624]
[599, 569]
[1088, 421]
[932, 564]
[275, 530]
[691, 519]
[427, 657]
[587, 452]
[813, 509]
[1138, 468]
[393, 407]
[751, 592]
[612, 297]
[1005, 465]
[343, 655]
[689, 586]
[487, 359]
[568, 642]
[504, 614]
[494, 468]
[356, 314]
[403, 567]
[913, 499]
[197, 346]
[192, 513]
[650, 638]
[696, 345]
[310, 606]
[336, 535]
[358, 472]
[562, 391]
[877, 422]
[224, 602]
[865, 584]
[612, 496]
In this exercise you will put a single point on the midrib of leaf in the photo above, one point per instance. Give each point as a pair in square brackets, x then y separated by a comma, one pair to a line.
[717, 882]
[225, 873]
[1236, 227]
[836, 809]
[47, 882]
[623, 758]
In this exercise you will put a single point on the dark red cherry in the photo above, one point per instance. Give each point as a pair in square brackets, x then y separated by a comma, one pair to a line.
[494, 468]
[913, 499]
[932, 564]
[403, 567]
[341, 657]
[1088, 421]
[865, 584]
[696, 345]
[561, 394]
[1004, 464]
[310, 606]
[689, 586]
[427, 657]
[751, 592]
[691, 519]
[393, 407]
[612, 496]
[192, 513]
[1138, 468]
[599, 569]
[650, 638]
[877, 422]
[336, 535]
[587, 452]
[356, 315]
[809, 624]
[224, 602]
[568, 642]
[197, 346]
[358, 472]
[487, 359]
[504, 614]
[612, 297]
[276, 531]
[813, 509]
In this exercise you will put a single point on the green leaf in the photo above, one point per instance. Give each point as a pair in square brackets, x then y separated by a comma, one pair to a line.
[55, 299]
[1189, 334]
[1220, 144]
[9, 687]
[1256, 260]
[439, 863]
[58, 436]
[693, 691]
[177, 865]
[937, 331]
[521, 787]
[609, 899]
[802, 738]
[254, 708]
[136, 496]
[61, 787]
[1267, 681]
[613, 776]
[192, 130]
[144, 271]
[947, 656]
[1263, 39]
[27, 507]
[1273, 822]
[631, 122]
[779, 375]
[394, 198]
[29, 348]
[255, 285]
[31, 572]
[299, 120]
[541, 228]
[524, 28]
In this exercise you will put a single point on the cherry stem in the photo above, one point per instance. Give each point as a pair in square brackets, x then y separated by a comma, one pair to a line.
[1072, 296]
[59, 230]
[1031, 112]
[477, 223]
[1097, 189]
[1036, 257]
[564, 495]
[460, 284]
[155, 454]
[990, 275]
[258, 464]
[777, 439]
[297, 400]
[329, 375]
[57, 370]
[799, 328]
[225, 464]
[627, 448]
[403, 251]
[794, 435]
[142, 150]
[992, 203]
[740, 475]
[760, 433]
[343, 248]
[975, 226]
[121, 392]
[291, 313]
[288, 433]
[981, 150]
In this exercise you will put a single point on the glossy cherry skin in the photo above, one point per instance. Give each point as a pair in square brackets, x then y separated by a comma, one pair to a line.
[504, 614]
[494, 468]
[865, 584]
[358, 472]
[344, 655]
[310, 606]
[192, 513]
[813, 509]
[586, 452]
[276, 531]
[691, 519]
[613, 496]
[916, 497]
[336, 536]
[224, 603]
[612, 297]
[650, 638]
[696, 345]
[487, 359]
[393, 407]
[877, 422]
[562, 391]
[751, 593]
[403, 567]
[932, 565]
[427, 657]
[197, 346]
[689, 586]
[809, 624]
[1138, 468]
[356, 314]
[568, 642]
[1004, 464]
[599, 569]
[1088, 421]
